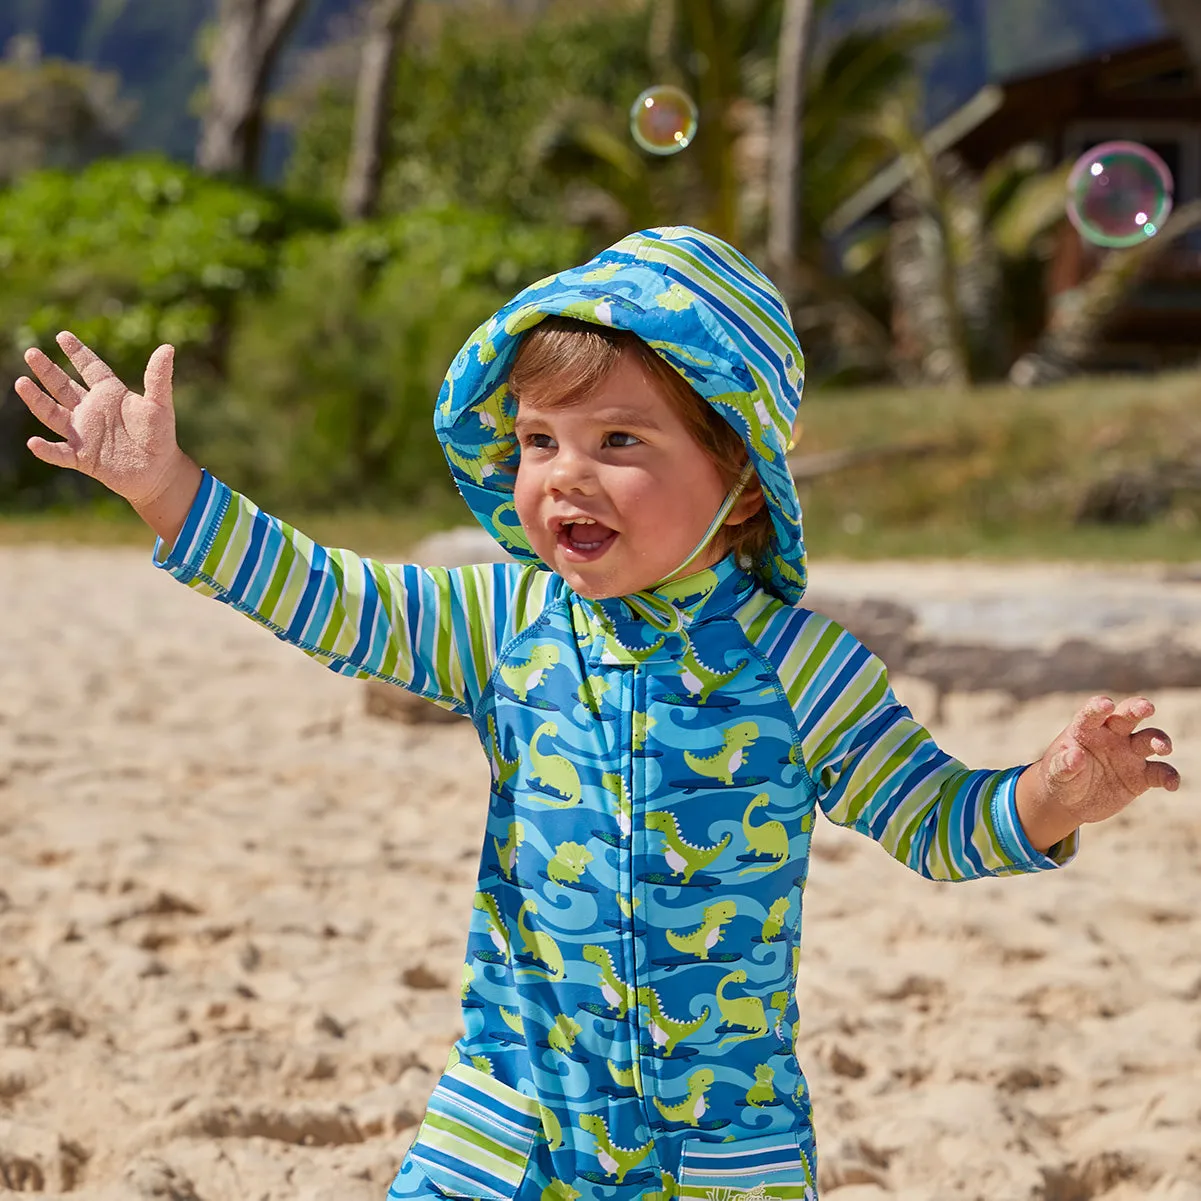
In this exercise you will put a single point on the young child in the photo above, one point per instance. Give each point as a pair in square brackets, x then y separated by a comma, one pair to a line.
[662, 716]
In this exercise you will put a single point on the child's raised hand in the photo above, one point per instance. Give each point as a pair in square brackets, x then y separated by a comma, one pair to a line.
[1094, 769]
[123, 439]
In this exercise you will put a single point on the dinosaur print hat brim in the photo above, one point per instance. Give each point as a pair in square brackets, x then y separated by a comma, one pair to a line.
[699, 304]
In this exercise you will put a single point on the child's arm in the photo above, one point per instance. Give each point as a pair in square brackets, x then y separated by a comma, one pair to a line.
[879, 771]
[432, 631]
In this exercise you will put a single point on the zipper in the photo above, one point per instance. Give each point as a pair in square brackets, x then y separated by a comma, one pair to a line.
[635, 979]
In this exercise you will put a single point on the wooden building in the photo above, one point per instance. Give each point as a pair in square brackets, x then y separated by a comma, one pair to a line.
[1147, 93]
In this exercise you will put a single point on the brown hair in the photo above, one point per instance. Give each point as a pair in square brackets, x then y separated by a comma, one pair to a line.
[562, 361]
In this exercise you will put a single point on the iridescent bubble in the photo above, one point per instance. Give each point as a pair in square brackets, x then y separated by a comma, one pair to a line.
[1119, 194]
[663, 119]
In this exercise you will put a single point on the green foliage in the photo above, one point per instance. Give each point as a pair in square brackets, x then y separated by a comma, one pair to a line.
[474, 103]
[1007, 472]
[333, 378]
[128, 254]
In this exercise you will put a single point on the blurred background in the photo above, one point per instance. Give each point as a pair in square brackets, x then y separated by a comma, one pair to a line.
[316, 201]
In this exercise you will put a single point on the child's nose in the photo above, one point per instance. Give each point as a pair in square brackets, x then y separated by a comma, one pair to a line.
[572, 472]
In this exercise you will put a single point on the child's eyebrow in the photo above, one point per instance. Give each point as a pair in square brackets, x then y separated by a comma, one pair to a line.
[625, 417]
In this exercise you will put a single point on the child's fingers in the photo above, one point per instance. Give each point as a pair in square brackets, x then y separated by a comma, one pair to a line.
[1092, 716]
[57, 454]
[52, 416]
[54, 379]
[1126, 716]
[1146, 743]
[1162, 775]
[158, 375]
[91, 367]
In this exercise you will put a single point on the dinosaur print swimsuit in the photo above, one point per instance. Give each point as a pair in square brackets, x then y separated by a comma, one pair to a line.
[628, 989]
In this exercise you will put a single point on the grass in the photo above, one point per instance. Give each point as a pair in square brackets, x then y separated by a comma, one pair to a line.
[1006, 482]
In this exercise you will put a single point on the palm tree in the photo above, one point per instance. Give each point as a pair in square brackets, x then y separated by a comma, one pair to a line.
[787, 142]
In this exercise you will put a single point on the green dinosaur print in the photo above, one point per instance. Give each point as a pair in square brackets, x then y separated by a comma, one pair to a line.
[540, 946]
[562, 1035]
[768, 839]
[493, 412]
[779, 1002]
[773, 924]
[693, 1107]
[614, 783]
[603, 273]
[617, 993]
[613, 650]
[503, 770]
[666, 1031]
[554, 771]
[627, 907]
[630, 1077]
[641, 725]
[669, 1192]
[512, 1020]
[486, 903]
[482, 1063]
[506, 852]
[478, 470]
[747, 1012]
[683, 857]
[762, 1092]
[557, 1190]
[698, 680]
[568, 864]
[522, 679]
[676, 298]
[708, 934]
[465, 983]
[552, 1130]
[722, 765]
[614, 1160]
[592, 691]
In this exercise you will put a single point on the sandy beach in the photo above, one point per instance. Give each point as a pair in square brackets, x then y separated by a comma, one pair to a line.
[233, 907]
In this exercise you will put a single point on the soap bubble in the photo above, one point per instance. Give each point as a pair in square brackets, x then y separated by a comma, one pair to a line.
[1119, 194]
[663, 119]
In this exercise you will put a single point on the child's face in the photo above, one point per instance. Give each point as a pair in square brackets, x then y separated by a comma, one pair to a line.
[624, 459]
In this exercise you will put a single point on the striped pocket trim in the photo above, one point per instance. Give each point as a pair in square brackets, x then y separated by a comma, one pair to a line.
[477, 1134]
[769, 1168]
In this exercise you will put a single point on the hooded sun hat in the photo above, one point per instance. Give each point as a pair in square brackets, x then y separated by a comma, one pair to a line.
[701, 306]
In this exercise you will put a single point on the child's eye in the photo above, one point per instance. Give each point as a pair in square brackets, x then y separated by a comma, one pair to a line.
[617, 438]
[538, 441]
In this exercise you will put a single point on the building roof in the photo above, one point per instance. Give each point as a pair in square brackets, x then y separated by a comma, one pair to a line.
[1022, 108]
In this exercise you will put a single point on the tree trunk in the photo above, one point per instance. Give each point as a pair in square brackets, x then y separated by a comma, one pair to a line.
[1184, 16]
[1078, 322]
[784, 196]
[246, 43]
[387, 23]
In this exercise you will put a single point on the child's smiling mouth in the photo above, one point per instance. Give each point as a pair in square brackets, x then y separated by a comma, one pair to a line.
[583, 539]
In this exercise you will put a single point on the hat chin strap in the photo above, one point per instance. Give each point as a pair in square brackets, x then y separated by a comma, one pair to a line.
[748, 473]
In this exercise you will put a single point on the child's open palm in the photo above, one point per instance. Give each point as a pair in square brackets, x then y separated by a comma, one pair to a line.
[124, 440]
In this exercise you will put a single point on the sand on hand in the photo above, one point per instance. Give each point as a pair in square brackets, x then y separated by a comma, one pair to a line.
[233, 908]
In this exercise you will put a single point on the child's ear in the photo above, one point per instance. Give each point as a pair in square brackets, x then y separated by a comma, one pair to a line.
[748, 504]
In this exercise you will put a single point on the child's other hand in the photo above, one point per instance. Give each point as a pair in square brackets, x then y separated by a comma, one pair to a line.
[123, 439]
[1094, 769]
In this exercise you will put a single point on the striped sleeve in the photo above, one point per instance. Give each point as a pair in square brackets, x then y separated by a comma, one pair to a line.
[880, 772]
[434, 631]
